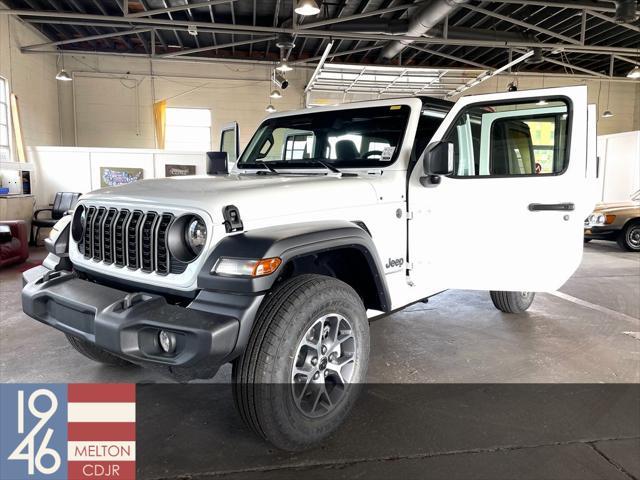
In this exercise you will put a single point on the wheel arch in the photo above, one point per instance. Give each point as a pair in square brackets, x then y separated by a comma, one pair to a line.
[340, 249]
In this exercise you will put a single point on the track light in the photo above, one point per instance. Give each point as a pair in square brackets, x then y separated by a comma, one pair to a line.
[63, 76]
[270, 109]
[280, 81]
[193, 30]
[283, 66]
[307, 7]
[634, 73]
[607, 114]
[275, 94]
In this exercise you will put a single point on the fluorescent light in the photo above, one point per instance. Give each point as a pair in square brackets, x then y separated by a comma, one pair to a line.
[63, 76]
[270, 108]
[307, 7]
[634, 72]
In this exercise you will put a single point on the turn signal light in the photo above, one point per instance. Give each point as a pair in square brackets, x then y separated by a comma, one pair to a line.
[609, 219]
[246, 267]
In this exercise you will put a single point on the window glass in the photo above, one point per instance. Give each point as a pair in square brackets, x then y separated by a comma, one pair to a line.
[5, 153]
[357, 137]
[188, 129]
[228, 144]
[517, 139]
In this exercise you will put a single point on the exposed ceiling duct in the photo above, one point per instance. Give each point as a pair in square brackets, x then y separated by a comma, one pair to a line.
[626, 11]
[421, 22]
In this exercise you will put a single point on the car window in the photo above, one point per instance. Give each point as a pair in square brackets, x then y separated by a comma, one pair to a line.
[514, 139]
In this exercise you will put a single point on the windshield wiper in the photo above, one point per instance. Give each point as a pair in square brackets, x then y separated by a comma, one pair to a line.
[328, 166]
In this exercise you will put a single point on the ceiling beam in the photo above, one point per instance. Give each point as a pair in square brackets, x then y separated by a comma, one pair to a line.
[450, 57]
[595, 6]
[357, 16]
[248, 30]
[88, 38]
[520, 23]
[178, 8]
[215, 47]
[607, 18]
[570, 65]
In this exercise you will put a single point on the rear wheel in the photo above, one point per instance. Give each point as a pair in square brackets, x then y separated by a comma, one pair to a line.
[629, 237]
[96, 354]
[512, 302]
[307, 356]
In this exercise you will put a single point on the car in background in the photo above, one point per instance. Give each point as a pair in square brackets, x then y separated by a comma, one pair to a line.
[616, 221]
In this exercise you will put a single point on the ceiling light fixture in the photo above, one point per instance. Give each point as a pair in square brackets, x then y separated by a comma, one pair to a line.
[608, 113]
[270, 109]
[275, 94]
[634, 73]
[283, 66]
[62, 75]
[307, 7]
[193, 30]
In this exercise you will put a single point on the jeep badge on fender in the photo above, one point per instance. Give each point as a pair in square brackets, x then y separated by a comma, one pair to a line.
[277, 266]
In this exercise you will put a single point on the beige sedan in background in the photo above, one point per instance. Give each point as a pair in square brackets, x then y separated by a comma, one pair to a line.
[616, 221]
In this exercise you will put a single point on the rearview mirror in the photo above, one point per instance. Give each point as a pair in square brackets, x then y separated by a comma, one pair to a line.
[217, 163]
[438, 159]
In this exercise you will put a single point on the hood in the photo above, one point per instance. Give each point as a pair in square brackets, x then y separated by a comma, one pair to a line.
[256, 196]
[616, 206]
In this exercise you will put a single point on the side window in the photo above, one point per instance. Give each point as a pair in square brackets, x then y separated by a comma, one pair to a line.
[228, 142]
[299, 146]
[516, 139]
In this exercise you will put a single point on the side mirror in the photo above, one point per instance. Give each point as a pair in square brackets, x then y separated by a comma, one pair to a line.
[438, 159]
[217, 163]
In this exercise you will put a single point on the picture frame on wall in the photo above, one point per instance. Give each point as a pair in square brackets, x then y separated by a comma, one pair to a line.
[114, 176]
[179, 170]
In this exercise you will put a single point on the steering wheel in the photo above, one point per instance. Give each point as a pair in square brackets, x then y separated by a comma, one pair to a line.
[370, 153]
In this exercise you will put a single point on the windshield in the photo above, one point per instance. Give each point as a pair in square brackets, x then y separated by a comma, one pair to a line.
[351, 138]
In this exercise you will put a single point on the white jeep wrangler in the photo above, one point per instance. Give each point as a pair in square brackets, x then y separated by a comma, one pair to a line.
[330, 217]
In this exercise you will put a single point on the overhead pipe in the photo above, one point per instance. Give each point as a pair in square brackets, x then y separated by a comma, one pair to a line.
[625, 11]
[421, 22]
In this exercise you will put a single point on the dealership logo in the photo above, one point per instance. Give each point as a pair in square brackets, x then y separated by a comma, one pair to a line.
[60, 432]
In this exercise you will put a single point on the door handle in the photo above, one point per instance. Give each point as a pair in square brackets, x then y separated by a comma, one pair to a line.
[545, 207]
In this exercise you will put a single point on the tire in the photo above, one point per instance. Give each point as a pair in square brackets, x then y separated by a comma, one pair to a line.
[96, 354]
[629, 238]
[512, 302]
[293, 324]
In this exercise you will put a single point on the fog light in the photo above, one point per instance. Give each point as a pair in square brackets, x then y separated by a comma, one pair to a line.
[167, 341]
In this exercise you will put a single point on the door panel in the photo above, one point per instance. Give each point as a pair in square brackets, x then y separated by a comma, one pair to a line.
[511, 215]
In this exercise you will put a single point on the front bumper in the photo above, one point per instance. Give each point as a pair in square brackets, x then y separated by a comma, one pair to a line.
[128, 324]
[600, 232]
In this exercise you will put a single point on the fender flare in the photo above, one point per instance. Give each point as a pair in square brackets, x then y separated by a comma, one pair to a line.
[289, 242]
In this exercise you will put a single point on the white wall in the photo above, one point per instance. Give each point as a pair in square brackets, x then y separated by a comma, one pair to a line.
[32, 79]
[114, 97]
[619, 166]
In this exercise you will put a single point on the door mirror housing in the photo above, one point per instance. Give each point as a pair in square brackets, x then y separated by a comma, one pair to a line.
[217, 163]
[438, 159]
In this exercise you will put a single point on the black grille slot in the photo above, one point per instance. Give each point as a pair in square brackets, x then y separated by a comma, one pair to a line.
[119, 248]
[107, 235]
[147, 247]
[86, 242]
[96, 236]
[133, 240]
[162, 251]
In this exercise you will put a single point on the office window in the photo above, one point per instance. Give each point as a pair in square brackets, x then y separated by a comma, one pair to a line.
[5, 151]
[188, 129]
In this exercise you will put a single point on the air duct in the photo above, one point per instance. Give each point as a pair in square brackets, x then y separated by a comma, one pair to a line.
[625, 11]
[421, 22]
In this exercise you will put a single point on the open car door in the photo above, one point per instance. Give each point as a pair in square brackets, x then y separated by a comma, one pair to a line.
[508, 214]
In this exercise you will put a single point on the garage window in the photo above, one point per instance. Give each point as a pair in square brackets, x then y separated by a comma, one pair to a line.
[188, 129]
[5, 152]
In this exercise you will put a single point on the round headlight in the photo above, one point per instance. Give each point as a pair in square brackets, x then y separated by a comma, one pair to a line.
[77, 225]
[601, 218]
[196, 235]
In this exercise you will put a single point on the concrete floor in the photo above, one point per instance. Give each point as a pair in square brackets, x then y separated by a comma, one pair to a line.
[582, 334]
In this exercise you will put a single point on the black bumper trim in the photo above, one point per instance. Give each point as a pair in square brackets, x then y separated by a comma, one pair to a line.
[96, 314]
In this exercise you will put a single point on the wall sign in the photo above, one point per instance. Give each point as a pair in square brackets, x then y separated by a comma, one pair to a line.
[179, 170]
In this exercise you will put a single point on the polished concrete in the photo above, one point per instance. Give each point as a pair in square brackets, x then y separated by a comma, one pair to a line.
[588, 332]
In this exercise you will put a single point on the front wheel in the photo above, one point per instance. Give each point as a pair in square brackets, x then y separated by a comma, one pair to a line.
[307, 356]
[512, 302]
[629, 237]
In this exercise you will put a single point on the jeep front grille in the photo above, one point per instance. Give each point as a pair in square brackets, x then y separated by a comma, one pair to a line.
[129, 238]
